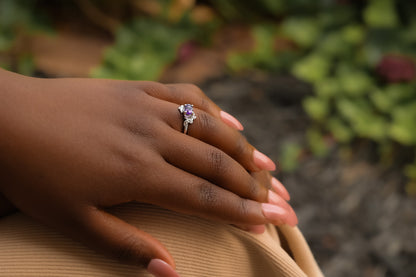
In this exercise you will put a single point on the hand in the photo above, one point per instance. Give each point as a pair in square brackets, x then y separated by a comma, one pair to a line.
[72, 147]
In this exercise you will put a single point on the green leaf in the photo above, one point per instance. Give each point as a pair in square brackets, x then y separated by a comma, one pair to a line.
[381, 100]
[317, 108]
[334, 45]
[354, 82]
[381, 14]
[340, 130]
[313, 68]
[316, 142]
[353, 34]
[328, 88]
[403, 126]
[302, 30]
[410, 171]
[142, 50]
[289, 156]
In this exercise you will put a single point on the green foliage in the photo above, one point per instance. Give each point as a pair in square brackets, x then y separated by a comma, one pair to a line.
[304, 31]
[381, 13]
[263, 54]
[337, 49]
[142, 50]
[316, 142]
[289, 156]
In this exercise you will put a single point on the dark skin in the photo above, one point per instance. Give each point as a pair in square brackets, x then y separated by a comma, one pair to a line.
[70, 148]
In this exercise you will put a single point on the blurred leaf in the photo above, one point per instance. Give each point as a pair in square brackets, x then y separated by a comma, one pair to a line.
[403, 127]
[354, 82]
[381, 100]
[340, 130]
[317, 142]
[353, 34]
[289, 157]
[317, 108]
[381, 13]
[334, 45]
[410, 171]
[142, 49]
[302, 30]
[312, 68]
[328, 88]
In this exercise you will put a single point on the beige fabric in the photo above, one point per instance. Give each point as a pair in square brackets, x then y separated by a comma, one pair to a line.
[199, 247]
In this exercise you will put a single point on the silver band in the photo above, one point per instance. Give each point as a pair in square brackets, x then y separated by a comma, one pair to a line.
[187, 110]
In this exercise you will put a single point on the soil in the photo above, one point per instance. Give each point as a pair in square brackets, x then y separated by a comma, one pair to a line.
[353, 212]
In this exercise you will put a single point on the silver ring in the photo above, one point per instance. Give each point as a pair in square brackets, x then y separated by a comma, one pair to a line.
[187, 110]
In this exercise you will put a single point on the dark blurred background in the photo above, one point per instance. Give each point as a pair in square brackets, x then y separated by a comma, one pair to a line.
[325, 87]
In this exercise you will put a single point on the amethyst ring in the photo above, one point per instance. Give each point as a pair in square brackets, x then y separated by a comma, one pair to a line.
[188, 115]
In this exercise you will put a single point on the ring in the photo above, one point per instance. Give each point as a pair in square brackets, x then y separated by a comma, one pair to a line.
[188, 115]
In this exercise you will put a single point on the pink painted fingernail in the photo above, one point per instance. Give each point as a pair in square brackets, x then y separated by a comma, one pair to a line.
[262, 161]
[278, 215]
[292, 219]
[159, 268]
[277, 200]
[231, 121]
[275, 214]
[274, 198]
[280, 189]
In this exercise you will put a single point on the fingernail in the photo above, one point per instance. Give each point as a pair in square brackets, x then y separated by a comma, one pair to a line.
[274, 198]
[278, 215]
[280, 189]
[231, 121]
[292, 219]
[274, 214]
[159, 268]
[257, 229]
[262, 161]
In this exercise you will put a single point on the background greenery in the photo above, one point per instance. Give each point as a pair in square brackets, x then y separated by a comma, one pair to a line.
[359, 57]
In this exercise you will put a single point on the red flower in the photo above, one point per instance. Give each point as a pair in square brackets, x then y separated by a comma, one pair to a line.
[396, 68]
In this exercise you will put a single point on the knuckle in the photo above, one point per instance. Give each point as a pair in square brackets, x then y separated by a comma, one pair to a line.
[206, 121]
[154, 88]
[207, 195]
[194, 89]
[243, 208]
[204, 104]
[240, 147]
[138, 129]
[217, 162]
[253, 189]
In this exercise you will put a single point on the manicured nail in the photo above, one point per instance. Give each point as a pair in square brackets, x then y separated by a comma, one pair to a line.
[231, 121]
[280, 189]
[159, 268]
[262, 161]
[278, 215]
[274, 198]
[277, 200]
[275, 214]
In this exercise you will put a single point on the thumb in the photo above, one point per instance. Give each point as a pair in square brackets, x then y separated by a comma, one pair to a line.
[116, 238]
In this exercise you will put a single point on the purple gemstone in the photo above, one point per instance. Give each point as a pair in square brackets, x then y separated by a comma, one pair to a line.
[188, 107]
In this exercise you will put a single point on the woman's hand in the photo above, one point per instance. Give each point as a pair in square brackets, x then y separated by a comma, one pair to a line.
[71, 147]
